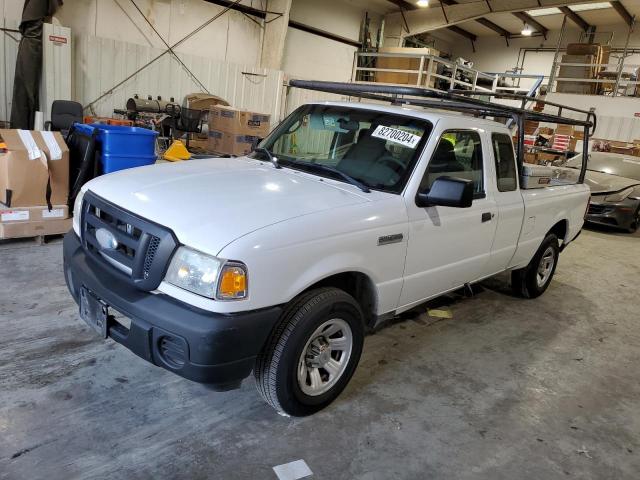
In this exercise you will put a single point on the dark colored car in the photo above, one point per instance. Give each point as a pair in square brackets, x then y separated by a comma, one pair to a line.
[614, 180]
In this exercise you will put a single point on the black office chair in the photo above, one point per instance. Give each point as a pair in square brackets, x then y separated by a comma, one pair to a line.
[64, 113]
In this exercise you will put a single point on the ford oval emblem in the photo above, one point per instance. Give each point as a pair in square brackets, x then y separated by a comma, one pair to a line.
[106, 239]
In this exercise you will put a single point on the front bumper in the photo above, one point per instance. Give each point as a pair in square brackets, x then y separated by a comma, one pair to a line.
[618, 215]
[203, 346]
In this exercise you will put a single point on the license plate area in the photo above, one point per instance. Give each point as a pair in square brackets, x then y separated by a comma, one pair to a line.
[94, 312]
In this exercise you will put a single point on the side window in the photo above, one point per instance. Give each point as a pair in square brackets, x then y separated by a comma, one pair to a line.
[458, 154]
[505, 162]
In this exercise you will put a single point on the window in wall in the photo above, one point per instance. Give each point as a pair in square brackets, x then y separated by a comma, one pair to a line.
[458, 154]
[505, 162]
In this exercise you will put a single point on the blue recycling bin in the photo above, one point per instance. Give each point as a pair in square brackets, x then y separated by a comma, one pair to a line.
[119, 147]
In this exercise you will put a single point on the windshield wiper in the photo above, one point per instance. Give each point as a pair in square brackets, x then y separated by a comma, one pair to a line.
[272, 159]
[335, 171]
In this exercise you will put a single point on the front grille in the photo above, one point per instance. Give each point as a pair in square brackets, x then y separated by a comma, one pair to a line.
[596, 209]
[154, 243]
[137, 247]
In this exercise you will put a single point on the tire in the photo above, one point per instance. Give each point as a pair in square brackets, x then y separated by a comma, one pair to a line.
[534, 279]
[290, 372]
[635, 224]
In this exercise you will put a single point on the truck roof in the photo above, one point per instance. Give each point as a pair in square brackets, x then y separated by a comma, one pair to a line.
[419, 112]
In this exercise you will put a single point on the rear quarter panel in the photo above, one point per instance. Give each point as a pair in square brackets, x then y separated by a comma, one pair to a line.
[544, 208]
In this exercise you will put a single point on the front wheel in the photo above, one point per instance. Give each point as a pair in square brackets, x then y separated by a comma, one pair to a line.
[532, 280]
[312, 354]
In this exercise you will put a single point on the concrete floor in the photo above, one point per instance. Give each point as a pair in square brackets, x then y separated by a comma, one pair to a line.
[506, 389]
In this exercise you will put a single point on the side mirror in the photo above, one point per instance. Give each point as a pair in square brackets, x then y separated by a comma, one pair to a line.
[447, 192]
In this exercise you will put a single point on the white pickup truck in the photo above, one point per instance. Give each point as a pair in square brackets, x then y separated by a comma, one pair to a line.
[279, 262]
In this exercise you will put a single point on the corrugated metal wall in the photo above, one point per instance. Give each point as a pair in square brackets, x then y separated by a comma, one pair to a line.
[101, 63]
[8, 52]
[56, 66]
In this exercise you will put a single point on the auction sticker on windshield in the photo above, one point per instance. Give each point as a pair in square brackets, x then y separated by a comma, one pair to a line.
[396, 136]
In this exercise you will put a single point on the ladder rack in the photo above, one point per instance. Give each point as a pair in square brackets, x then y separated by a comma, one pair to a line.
[463, 101]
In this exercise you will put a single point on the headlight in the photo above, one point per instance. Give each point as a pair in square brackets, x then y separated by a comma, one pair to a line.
[206, 275]
[620, 196]
[77, 211]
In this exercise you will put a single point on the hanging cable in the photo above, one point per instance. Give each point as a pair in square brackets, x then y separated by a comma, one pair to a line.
[155, 59]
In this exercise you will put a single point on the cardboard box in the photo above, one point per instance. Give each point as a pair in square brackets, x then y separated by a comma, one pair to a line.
[34, 159]
[231, 143]
[564, 130]
[531, 158]
[33, 214]
[58, 159]
[34, 229]
[239, 122]
[623, 148]
[546, 131]
[204, 102]
[24, 171]
[405, 63]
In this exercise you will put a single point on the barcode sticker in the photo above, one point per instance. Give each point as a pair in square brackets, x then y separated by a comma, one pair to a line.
[14, 215]
[54, 213]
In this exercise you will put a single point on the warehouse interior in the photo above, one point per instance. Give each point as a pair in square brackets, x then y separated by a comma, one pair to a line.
[274, 160]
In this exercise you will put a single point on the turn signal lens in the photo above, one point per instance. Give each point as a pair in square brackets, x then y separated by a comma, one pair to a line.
[233, 282]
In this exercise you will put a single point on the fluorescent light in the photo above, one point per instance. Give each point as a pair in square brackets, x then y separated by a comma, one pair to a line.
[527, 31]
[544, 11]
[422, 3]
[581, 7]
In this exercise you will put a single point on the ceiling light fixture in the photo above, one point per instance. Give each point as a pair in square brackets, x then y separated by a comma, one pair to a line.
[526, 31]
[422, 3]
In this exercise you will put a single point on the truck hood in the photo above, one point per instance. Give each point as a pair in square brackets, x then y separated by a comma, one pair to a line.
[210, 203]
[605, 183]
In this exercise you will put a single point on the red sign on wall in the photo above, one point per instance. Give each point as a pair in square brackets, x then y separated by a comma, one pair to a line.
[57, 39]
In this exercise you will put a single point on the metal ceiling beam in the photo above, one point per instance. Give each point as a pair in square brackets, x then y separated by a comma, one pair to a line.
[575, 18]
[292, 23]
[496, 28]
[485, 22]
[404, 5]
[624, 13]
[463, 32]
[532, 22]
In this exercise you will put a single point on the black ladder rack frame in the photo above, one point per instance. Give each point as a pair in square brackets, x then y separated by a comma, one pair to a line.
[463, 102]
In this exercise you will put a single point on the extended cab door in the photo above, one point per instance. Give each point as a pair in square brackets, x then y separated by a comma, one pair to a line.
[509, 202]
[448, 246]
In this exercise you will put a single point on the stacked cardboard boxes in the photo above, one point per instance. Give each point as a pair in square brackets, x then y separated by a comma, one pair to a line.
[401, 62]
[236, 132]
[591, 54]
[34, 184]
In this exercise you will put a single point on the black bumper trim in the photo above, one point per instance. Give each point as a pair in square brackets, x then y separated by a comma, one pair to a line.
[220, 348]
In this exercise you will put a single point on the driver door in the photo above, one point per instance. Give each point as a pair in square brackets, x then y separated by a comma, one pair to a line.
[448, 246]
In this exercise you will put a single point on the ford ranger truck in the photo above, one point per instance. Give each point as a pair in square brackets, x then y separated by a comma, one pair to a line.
[277, 263]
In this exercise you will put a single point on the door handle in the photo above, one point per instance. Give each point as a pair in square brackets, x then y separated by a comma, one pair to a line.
[487, 216]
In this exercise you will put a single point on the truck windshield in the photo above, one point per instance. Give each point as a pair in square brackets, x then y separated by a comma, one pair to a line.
[376, 149]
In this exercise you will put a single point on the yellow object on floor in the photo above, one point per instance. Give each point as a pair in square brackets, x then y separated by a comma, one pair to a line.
[437, 313]
[177, 152]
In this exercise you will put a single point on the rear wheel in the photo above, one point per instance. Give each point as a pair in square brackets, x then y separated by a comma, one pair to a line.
[313, 352]
[636, 222]
[534, 279]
